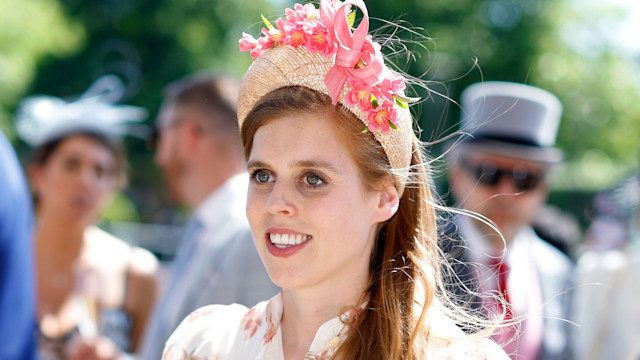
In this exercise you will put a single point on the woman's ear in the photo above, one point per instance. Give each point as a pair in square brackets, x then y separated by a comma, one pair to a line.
[388, 200]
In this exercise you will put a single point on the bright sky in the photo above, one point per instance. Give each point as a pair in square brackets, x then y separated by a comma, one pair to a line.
[627, 33]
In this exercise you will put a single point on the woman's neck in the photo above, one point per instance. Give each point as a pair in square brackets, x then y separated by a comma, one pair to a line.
[305, 310]
[58, 239]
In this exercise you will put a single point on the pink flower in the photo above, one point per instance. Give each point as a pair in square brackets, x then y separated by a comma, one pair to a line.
[302, 13]
[380, 117]
[203, 311]
[320, 41]
[264, 44]
[294, 34]
[275, 35]
[271, 328]
[251, 322]
[369, 50]
[371, 64]
[359, 95]
[393, 84]
[247, 42]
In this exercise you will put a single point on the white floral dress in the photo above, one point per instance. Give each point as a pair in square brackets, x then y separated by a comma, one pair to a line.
[227, 332]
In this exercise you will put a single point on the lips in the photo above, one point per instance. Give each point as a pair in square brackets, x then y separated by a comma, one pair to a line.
[284, 243]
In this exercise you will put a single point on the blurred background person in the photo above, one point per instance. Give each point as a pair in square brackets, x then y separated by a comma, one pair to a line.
[17, 297]
[94, 291]
[605, 305]
[201, 158]
[501, 172]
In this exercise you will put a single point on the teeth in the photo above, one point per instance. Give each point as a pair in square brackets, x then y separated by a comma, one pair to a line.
[284, 240]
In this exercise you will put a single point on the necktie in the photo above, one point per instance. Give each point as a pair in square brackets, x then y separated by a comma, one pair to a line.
[506, 336]
[502, 270]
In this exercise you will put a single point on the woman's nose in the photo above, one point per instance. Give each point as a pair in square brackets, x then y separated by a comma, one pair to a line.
[279, 201]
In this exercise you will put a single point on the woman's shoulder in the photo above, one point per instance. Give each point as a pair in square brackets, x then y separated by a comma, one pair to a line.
[103, 247]
[448, 341]
[466, 348]
[214, 329]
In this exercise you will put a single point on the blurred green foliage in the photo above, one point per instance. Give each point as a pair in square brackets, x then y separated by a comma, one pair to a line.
[31, 30]
[58, 47]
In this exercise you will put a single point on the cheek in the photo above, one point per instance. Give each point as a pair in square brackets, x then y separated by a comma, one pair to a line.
[534, 201]
[256, 206]
[338, 215]
[164, 149]
[105, 188]
[53, 183]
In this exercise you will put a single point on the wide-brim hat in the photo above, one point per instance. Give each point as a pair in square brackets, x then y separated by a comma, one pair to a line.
[511, 120]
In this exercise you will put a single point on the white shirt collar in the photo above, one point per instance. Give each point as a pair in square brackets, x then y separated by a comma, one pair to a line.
[230, 197]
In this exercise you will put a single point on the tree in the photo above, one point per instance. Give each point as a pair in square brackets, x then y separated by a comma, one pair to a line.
[31, 30]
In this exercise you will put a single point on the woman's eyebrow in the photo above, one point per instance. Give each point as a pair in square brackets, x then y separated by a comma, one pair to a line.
[256, 164]
[318, 164]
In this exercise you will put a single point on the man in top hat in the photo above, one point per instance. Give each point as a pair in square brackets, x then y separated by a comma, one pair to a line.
[500, 175]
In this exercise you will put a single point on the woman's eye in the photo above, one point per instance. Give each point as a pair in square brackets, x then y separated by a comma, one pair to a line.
[312, 180]
[261, 177]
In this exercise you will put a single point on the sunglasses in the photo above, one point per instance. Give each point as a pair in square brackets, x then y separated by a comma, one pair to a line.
[488, 173]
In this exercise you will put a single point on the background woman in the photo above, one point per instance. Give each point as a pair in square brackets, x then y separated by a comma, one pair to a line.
[339, 206]
[94, 290]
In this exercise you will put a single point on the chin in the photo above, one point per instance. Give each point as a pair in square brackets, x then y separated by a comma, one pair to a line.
[285, 277]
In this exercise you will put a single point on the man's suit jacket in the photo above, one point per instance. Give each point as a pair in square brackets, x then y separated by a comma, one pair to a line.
[221, 267]
[554, 272]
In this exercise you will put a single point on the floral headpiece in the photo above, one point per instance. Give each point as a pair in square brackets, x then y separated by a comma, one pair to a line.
[357, 61]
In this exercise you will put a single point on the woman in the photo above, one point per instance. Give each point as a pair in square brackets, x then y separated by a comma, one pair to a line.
[94, 290]
[339, 207]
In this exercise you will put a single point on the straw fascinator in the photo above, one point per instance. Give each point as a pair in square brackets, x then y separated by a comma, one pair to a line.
[318, 48]
[40, 118]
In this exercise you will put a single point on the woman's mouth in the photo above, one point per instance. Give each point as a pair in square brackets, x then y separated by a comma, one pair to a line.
[283, 241]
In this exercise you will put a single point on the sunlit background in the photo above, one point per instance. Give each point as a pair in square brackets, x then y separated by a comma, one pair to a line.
[587, 52]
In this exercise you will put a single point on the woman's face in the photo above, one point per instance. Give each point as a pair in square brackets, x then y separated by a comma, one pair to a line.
[311, 218]
[76, 181]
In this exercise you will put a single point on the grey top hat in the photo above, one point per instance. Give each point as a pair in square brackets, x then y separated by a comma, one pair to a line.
[511, 119]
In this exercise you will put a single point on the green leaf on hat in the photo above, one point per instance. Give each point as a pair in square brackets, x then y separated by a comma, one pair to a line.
[366, 130]
[393, 126]
[406, 99]
[401, 103]
[374, 101]
[352, 18]
[266, 22]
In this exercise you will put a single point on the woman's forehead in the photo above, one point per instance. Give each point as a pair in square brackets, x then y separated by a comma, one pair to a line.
[85, 147]
[299, 139]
